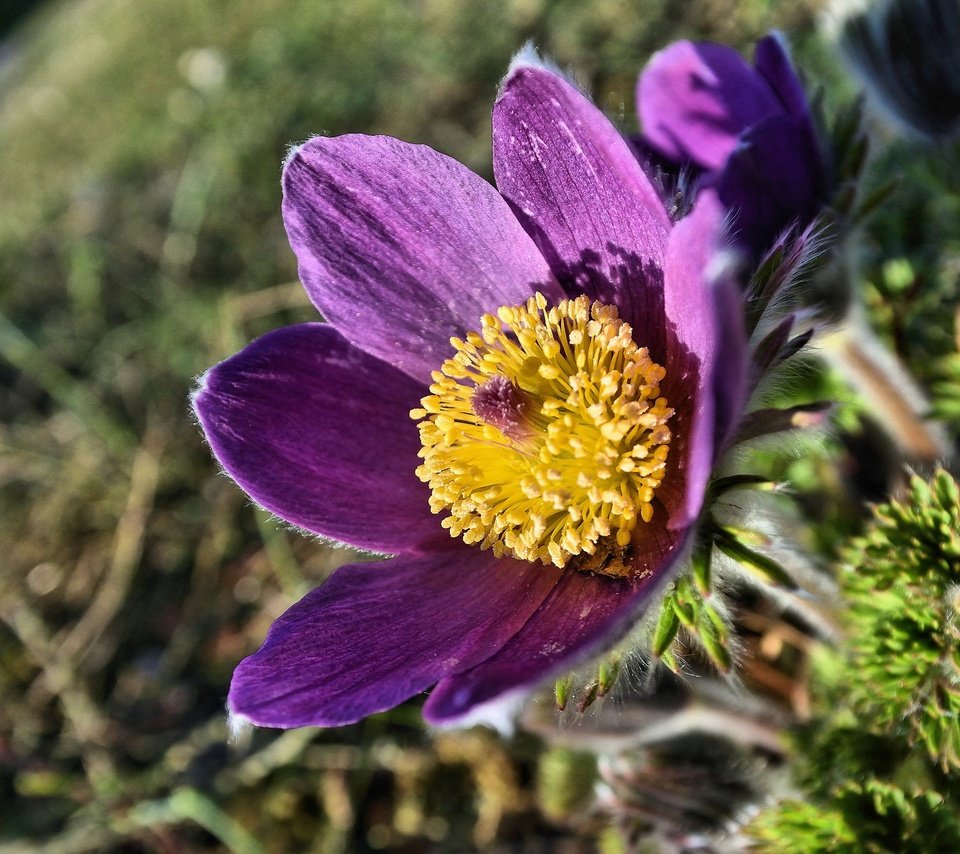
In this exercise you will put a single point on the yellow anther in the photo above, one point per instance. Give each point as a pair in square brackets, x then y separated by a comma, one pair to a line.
[544, 436]
[549, 372]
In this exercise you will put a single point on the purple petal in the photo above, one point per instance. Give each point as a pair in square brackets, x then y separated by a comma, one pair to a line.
[584, 615]
[577, 187]
[401, 248]
[772, 180]
[376, 634]
[773, 62]
[694, 100]
[706, 358]
[319, 433]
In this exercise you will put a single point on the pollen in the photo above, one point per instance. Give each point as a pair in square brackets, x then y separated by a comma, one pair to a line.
[544, 436]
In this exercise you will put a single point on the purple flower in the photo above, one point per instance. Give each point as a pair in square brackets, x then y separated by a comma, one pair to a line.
[565, 437]
[748, 128]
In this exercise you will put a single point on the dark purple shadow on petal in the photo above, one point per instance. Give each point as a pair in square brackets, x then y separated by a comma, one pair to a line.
[584, 615]
[773, 179]
[694, 100]
[401, 247]
[638, 285]
[319, 433]
[376, 634]
[576, 186]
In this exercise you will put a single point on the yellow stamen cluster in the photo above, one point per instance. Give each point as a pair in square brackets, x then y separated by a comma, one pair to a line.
[544, 436]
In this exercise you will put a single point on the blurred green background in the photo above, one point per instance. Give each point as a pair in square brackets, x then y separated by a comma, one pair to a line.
[140, 243]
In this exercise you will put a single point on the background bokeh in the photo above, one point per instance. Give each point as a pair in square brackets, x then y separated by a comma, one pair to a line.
[140, 243]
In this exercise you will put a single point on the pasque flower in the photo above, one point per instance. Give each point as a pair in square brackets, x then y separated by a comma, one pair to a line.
[748, 128]
[519, 394]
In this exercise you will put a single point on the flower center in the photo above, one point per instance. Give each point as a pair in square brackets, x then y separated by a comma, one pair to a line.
[544, 436]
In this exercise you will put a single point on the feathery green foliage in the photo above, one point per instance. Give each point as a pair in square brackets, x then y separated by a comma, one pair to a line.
[903, 584]
[867, 817]
[877, 763]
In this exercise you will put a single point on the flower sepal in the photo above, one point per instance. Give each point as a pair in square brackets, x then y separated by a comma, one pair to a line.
[586, 689]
